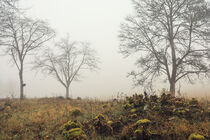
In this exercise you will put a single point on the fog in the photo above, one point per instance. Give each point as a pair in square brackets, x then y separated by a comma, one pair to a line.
[95, 21]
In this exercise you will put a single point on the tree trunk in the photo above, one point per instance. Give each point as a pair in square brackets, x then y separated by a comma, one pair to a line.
[173, 54]
[21, 84]
[67, 92]
[172, 87]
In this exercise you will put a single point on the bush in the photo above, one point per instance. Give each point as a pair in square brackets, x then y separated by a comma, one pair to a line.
[102, 126]
[75, 134]
[79, 98]
[60, 97]
[196, 137]
[76, 112]
[144, 122]
[165, 105]
[72, 130]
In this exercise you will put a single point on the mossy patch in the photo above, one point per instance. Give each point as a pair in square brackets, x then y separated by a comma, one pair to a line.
[72, 130]
[75, 134]
[196, 137]
[143, 122]
[70, 125]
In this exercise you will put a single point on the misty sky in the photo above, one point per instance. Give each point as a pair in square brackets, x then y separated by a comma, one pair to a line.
[95, 21]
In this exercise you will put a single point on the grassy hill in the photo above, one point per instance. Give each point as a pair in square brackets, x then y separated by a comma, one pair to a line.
[140, 117]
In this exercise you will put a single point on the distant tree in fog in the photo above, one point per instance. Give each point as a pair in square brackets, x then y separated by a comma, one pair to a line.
[22, 37]
[67, 62]
[172, 37]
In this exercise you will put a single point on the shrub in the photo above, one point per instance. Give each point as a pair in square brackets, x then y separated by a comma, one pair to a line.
[70, 125]
[116, 126]
[79, 98]
[143, 122]
[72, 130]
[75, 134]
[60, 97]
[142, 132]
[196, 137]
[76, 112]
[105, 106]
[102, 126]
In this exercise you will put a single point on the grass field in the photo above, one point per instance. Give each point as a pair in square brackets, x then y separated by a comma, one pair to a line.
[136, 117]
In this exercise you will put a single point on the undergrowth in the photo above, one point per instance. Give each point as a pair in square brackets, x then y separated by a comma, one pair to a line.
[139, 117]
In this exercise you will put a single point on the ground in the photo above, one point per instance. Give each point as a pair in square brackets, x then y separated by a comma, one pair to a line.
[137, 117]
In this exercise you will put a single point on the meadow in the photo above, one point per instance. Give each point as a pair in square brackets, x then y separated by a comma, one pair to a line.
[139, 117]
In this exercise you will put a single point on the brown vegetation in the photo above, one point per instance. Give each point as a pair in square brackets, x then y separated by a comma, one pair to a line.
[138, 117]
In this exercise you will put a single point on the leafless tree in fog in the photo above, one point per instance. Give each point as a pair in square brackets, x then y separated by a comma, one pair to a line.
[7, 7]
[172, 37]
[22, 37]
[68, 62]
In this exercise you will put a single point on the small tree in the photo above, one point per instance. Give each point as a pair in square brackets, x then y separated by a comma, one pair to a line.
[172, 37]
[22, 37]
[68, 62]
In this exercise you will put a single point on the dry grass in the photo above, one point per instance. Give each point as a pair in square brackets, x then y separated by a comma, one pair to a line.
[34, 119]
[41, 118]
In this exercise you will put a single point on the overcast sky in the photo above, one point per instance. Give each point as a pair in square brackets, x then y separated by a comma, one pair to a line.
[95, 21]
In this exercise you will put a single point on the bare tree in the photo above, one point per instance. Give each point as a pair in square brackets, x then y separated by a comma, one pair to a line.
[8, 7]
[22, 37]
[172, 37]
[68, 62]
